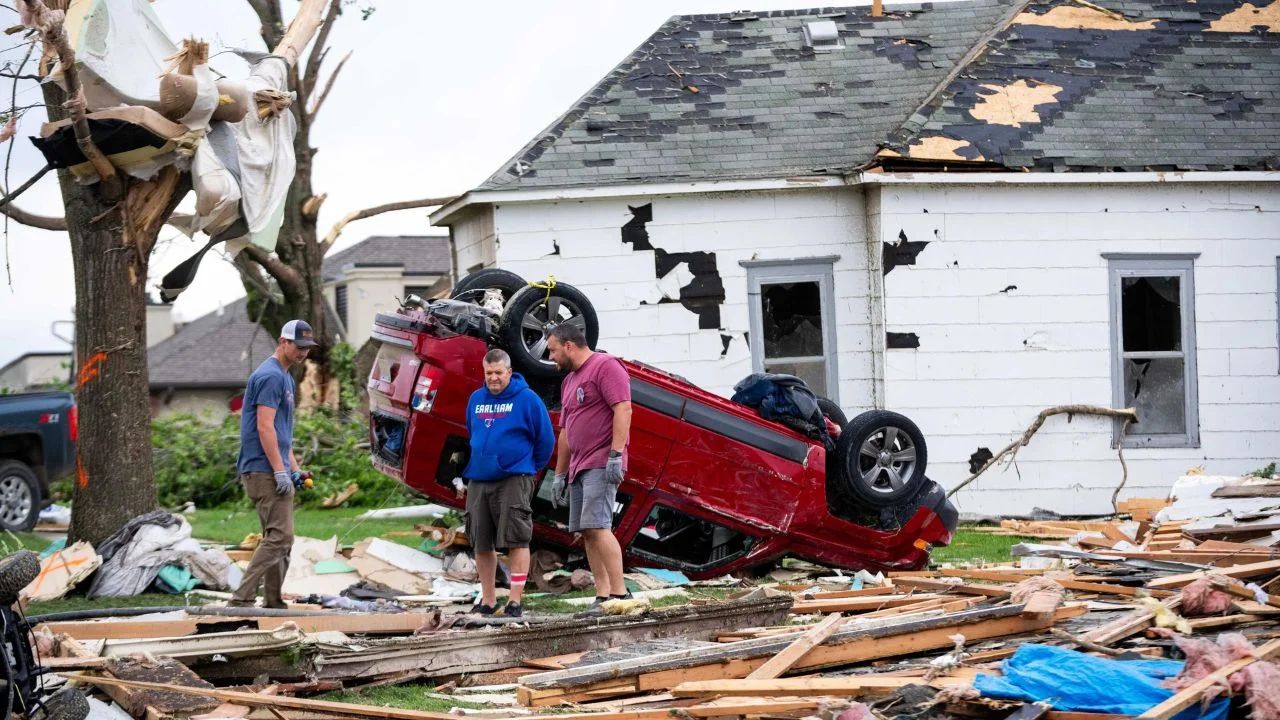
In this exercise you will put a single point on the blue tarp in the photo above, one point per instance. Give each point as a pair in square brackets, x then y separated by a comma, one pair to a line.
[1076, 682]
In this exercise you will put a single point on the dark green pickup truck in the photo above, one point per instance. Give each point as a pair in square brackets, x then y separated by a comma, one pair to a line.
[37, 447]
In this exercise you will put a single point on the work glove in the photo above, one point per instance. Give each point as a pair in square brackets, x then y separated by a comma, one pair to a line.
[613, 469]
[560, 490]
[284, 482]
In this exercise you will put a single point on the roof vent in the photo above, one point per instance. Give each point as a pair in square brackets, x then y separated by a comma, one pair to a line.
[822, 36]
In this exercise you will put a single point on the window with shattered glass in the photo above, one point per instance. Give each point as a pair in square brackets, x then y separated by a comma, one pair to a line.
[1153, 348]
[791, 315]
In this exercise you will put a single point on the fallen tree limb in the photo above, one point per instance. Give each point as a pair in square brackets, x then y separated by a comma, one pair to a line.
[351, 217]
[1011, 450]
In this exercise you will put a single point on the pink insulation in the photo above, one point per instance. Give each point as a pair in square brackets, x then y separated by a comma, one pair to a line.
[1260, 682]
[1199, 600]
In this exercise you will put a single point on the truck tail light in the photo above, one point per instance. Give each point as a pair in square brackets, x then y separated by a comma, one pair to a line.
[74, 420]
[425, 389]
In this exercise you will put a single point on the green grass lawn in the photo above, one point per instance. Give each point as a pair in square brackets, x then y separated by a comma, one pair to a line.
[971, 546]
[408, 697]
[231, 525]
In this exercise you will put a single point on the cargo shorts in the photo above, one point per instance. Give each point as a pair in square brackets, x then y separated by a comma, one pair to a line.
[591, 501]
[499, 514]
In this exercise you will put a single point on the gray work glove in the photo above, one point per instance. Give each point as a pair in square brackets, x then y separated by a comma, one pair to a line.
[560, 490]
[284, 483]
[613, 470]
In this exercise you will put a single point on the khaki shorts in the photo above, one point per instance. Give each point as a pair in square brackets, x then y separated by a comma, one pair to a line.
[499, 516]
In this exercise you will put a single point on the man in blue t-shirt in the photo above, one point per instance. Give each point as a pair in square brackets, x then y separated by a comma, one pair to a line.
[511, 442]
[267, 464]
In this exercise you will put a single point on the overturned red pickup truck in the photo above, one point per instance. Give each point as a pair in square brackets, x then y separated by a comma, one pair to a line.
[711, 488]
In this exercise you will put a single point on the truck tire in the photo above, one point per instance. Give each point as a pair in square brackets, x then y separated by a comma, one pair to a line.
[471, 287]
[16, 572]
[529, 318]
[882, 458]
[19, 496]
[65, 704]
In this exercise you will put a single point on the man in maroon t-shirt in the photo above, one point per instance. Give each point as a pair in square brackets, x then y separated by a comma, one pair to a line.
[595, 417]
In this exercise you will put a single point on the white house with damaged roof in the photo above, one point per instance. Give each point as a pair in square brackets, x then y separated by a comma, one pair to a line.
[966, 212]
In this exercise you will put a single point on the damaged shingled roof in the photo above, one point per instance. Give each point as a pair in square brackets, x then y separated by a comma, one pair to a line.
[1076, 86]
[1053, 85]
[743, 94]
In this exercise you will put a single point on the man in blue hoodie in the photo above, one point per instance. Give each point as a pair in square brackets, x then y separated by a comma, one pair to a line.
[511, 442]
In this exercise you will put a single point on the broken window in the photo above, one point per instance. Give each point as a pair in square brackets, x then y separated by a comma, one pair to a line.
[791, 313]
[675, 538]
[1153, 348]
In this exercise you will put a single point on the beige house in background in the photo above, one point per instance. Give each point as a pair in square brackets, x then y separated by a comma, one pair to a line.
[35, 371]
[201, 367]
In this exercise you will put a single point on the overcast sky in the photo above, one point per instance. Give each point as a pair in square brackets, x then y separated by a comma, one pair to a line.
[434, 99]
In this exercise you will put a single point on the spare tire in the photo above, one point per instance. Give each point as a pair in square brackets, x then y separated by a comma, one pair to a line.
[831, 411]
[16, 572]
[471, 287]
[529, 318]
[882, 457]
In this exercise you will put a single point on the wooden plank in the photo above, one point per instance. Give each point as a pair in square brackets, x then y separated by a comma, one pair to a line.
[1263, 490]
[1192, 694]
[1212, 623]
[274, 701]
[1065, 715]
[1124, 627]
[953, 588]
[782, 662]
[1220, 559]
[1004, 576]
[731, 706]
[837, 594]
[863, 603]
[1109, 589]
[1237, 571]
[846, 647]
[369, 623]
[1246, 593]
[855, 685]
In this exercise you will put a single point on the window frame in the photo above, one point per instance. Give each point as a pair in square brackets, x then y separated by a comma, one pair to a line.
[777, 272]
[341, 302]
[1182, 265]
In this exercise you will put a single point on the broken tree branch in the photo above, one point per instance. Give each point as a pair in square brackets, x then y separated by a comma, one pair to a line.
[301, 30]
[318, 52]
[337, 228]
[1124, 467]
[283, 274]
[53, 34]
[43, 222]
[1011, 450]
[6, 199]
[328, 85]
[268, 12]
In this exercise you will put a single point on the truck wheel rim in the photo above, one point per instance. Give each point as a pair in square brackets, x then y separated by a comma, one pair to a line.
[887, 460]
[15, 500]
[541, 319]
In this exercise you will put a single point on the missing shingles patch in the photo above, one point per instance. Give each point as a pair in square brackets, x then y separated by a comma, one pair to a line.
[1246, 17]
[939, 147]
[1078, 17]
[1014, 104]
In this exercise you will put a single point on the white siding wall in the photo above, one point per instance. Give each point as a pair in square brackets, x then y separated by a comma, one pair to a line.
[789, 224]
[990, 360]
[472, 238]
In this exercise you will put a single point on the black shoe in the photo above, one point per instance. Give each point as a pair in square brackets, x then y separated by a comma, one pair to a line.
[482, 609]
[596, 609]
[628, 596]
[513, 609]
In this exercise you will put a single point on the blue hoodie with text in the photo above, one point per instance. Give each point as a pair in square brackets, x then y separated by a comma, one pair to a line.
[510, 433]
